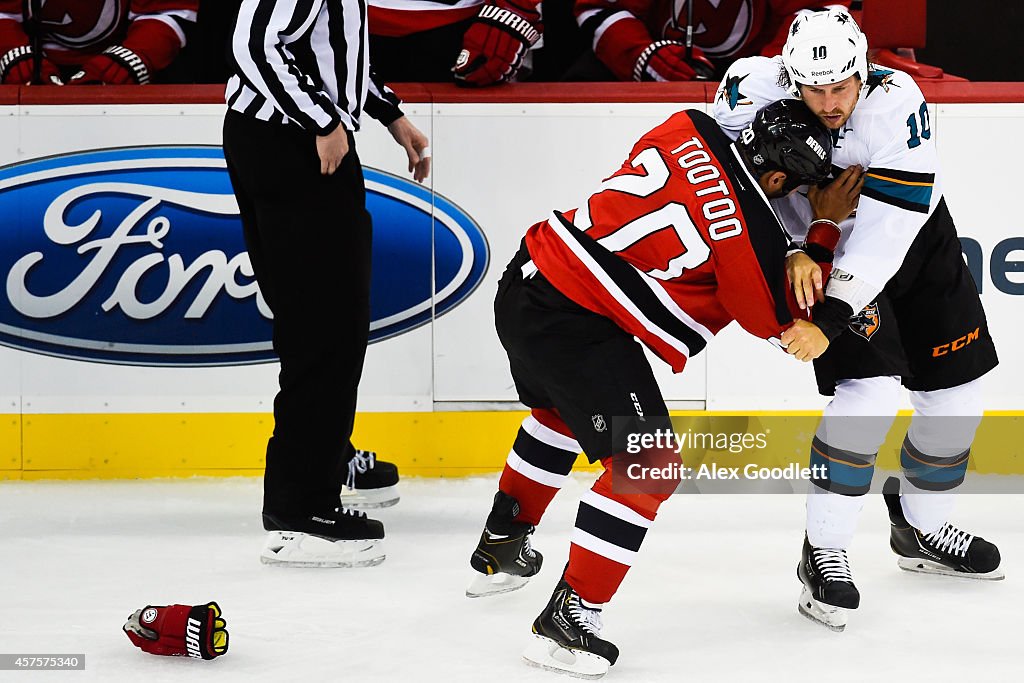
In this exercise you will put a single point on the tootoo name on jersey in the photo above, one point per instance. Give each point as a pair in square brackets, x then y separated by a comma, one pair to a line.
[889, 135]
[647, 249]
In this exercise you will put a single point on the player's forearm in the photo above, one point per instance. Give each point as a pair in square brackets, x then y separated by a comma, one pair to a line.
[832, 316]
[617, 37]
[12, 33]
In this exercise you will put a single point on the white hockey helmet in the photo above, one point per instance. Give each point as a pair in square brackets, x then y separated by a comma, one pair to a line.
[824, 46]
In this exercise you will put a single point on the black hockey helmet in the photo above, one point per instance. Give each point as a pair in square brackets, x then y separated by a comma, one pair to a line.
[786, 136]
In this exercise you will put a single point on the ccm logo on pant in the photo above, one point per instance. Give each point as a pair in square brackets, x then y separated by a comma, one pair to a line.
[956, 344]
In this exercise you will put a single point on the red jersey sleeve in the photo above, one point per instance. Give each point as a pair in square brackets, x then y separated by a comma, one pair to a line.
[12, 32]
[616, 30]
[157, 30]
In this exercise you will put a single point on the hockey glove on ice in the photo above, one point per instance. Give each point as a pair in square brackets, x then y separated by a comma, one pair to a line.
[494, 46]
[17, 67]
[665, 60]
[179, 630]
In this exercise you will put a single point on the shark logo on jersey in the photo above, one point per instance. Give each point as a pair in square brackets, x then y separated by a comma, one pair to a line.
[880, 78]
[730, 92]
[867, 322]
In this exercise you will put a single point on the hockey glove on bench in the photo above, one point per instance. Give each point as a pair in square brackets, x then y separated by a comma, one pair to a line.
[495, 43]
[179, 630]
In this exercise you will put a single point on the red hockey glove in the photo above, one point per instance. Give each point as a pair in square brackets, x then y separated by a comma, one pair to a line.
[17, 68]
[117, 65]
[179, 630]
[665, 60]
[493, 47]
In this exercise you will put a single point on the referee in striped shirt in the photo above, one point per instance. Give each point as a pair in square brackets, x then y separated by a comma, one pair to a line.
[301, 83]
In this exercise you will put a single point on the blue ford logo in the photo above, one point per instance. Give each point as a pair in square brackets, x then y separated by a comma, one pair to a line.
[135, 256]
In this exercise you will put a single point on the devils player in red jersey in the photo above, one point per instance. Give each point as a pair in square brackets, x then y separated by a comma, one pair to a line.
[115, 42]
[475, 42]
[646, 40]
[675, 245]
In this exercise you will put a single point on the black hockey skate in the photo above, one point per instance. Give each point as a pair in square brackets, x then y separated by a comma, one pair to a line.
[828, 586]
[567, 637]
[339, 538]
[503, 556]
[948, 552]
[371, 482]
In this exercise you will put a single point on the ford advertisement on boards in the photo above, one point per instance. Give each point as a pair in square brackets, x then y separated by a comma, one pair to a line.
[135, 256]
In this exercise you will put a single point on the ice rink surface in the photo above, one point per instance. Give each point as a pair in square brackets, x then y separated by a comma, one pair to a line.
[712, 598]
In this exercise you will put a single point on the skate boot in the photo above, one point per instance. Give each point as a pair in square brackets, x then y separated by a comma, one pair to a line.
[828, 591]
[339, 538]
[503, 556]
[948, 552]
[567, 637]
[371, 483]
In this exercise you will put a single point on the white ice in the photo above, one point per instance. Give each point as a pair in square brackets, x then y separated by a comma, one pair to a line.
[712, 597]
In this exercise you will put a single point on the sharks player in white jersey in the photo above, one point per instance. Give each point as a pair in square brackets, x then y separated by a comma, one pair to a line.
[900, 307]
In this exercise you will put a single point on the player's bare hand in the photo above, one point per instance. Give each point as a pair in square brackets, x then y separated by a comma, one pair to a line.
[837, 200]
[806, 279]
[416, 147]
[332, 148]
[804, 341]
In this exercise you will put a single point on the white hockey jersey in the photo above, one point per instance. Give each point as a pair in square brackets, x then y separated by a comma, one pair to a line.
[889, 134]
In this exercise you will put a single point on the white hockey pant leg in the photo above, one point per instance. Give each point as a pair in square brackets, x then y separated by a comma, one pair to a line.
[853, 428]
[936, 450]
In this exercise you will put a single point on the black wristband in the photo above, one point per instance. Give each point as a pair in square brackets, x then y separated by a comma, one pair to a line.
[818, 253]
[832, 316]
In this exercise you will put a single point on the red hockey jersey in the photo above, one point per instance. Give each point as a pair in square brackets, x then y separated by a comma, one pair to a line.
[677, 244]
[395, 18]
[621, 29]
[71, 31]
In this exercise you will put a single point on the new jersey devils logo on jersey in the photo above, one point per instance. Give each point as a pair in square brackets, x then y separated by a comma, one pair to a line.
[720, 27]
[80, 23]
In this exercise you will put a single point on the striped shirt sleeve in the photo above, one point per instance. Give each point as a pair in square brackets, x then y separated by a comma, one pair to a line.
[260, 46]
[381, 102]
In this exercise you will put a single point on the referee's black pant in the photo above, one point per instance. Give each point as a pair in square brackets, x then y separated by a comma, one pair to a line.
[309, 238]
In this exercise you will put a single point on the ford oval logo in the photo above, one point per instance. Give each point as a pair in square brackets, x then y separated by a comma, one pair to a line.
[135, 256]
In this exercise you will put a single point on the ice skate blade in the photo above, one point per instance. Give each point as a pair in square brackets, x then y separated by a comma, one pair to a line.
[922, 566]
[831, 617]
[484, 585]
[369, 499]
[292, 549]
[545, 653]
